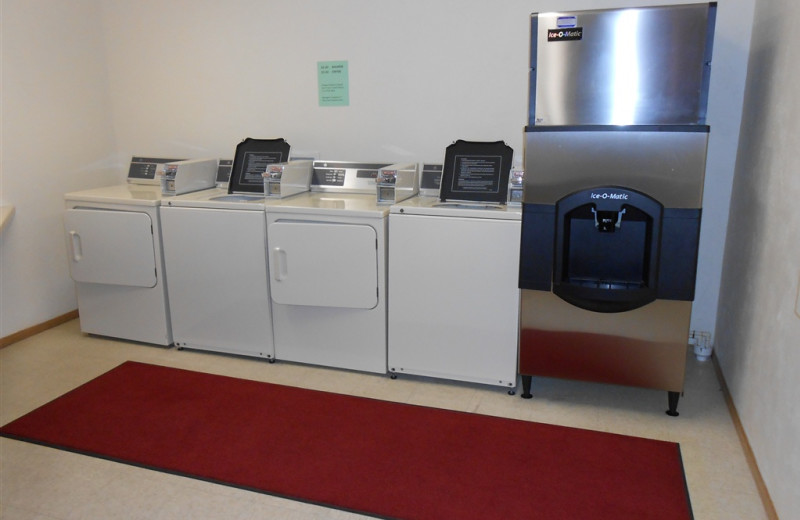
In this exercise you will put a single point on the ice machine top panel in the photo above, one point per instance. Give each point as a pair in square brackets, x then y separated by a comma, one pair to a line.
[636, 66]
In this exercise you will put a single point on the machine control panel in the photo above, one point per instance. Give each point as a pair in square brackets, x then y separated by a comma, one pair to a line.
[430, 179]
[187, 176]
[345, 177]
[387, 176]
[146, 170]
[397, 182]
[329, 176]
[224, 169]
[288, 178]
[515, 185]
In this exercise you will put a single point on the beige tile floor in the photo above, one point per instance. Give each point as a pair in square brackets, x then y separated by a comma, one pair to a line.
[38, 483]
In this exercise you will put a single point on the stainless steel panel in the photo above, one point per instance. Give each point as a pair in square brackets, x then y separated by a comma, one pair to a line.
[668, 166]
[630, 66]
[645, 347]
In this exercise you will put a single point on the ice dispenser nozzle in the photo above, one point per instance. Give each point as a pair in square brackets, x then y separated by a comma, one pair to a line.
[607, 221]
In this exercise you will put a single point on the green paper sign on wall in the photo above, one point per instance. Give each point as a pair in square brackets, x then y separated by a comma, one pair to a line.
[334, 83]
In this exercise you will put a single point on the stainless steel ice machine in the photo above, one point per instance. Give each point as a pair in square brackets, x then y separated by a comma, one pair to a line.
[615, 157]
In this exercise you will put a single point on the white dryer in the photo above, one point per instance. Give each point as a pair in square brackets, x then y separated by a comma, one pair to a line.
[113, 239]
[327, 264]
[216, 259]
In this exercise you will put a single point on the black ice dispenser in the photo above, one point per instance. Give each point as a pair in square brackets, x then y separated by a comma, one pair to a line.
[606, 253]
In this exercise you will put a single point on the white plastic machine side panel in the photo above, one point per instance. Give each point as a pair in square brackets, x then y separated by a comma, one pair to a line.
[111, 247]
[323, 264]
[216, 263]
[454, 302]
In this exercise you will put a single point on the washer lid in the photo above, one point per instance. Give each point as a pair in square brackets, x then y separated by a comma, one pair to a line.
[330, 204]
[251, 161]
[217, 198]
[432, 206]
[476, 172]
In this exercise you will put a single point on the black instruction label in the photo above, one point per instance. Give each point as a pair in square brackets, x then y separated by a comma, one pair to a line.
[479, 174]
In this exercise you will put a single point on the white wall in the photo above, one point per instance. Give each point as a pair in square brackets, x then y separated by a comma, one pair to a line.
[759, 330]
[56, 136]
[728, 68]
[422, 74]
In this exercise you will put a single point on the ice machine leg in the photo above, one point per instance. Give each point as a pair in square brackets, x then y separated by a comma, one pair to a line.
[673, 403]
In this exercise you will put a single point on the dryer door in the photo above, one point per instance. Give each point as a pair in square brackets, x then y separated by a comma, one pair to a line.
[110, 247]
[323, 264]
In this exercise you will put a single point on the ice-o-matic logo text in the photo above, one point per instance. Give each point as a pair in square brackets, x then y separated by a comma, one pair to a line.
[609, 196]
[562, 35]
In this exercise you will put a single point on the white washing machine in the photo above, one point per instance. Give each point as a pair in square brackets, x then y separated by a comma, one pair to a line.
[327, 264]
[453, 269]
[216, 260]
[453, 296]
[114, 247]
[216, 265]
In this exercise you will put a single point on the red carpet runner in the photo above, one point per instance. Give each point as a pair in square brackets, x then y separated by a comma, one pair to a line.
[373, 457]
